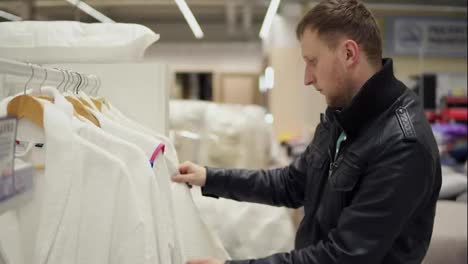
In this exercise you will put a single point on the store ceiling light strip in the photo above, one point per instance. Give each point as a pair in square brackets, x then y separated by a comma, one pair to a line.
[188, 15]
[91, 11]
[268, 20]
[9, 16]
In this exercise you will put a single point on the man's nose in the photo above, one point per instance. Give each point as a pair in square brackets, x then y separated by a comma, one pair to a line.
[309, 78]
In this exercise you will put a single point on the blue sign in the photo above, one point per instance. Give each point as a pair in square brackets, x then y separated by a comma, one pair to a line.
[427, 37]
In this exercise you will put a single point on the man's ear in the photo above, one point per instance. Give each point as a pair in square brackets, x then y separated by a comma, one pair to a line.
[351, 52]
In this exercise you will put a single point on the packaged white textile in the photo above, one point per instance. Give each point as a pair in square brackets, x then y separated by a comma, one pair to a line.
[71, 41]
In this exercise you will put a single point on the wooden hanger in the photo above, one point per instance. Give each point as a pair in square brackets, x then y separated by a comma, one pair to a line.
[97, 103]
[77, 91]
[44, 97]
[79, 106]
[82, 111]
[84, 102]
[26, 106]
[88, 101]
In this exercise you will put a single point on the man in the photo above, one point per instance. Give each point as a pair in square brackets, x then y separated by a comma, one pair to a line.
[370, 178]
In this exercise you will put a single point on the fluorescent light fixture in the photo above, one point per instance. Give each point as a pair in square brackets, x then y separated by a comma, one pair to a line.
[267, 80]
[91, 11]
[188, 134]
[188, 15]
[269, 118]
[268, 20]
[261, 84]
[9, 16]
[269, 77]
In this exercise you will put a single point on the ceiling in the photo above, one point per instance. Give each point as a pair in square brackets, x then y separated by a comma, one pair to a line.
[221, 20]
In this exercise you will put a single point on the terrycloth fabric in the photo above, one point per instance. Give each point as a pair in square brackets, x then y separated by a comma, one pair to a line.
[116, 115]
[142, 175]
[89, 211]
[196, 239]
[166, 234]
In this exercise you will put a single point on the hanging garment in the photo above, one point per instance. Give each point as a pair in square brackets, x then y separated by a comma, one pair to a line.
[164, 222]
[88, 213]
[87, 99]
[114, 114]
[149, 199]
[170, 251]
[196, 238]
[10, 239]
[146, 185]
[134, 162]
[28, 214]
[259, 222]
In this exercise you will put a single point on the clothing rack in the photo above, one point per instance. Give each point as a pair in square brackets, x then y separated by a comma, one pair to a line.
[34, 71]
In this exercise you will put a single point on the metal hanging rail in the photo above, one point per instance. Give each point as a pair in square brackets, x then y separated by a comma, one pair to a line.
[38, 72]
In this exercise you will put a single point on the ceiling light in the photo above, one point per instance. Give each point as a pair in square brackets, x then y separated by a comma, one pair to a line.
[188, 15]
[91, 11]
[9, 16]
[268, 20]
[269, 78]
[269, 118]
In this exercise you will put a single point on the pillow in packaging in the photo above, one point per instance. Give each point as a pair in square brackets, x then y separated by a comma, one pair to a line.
[71, 41]
[453, 183]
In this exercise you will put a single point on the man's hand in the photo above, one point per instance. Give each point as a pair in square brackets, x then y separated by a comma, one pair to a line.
[191, 174]
[205, 261]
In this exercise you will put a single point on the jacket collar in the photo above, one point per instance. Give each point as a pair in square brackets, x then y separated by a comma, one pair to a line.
[376, 95]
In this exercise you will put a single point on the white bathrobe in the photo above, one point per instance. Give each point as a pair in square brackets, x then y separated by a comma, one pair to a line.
[88, 212]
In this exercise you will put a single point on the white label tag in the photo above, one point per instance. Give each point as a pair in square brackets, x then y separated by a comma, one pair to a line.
[22, 147]
[7, 154]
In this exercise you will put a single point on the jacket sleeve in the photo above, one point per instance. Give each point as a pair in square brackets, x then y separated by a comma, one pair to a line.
[278, 187]
[389, 193]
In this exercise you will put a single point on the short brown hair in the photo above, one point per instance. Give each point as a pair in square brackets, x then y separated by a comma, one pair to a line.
[332, 18]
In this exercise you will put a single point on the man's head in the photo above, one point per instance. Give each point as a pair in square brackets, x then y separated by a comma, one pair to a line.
[342, 47]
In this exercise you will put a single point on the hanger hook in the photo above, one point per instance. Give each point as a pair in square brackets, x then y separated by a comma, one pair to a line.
[73, 88]
[79, 82]
[89, 77]
[92, 89]
[67, 79]
[71, 79]
[99, 85]
[96, 87]
[63, 78]
[86, 82]
[45, 78]
[30, 78]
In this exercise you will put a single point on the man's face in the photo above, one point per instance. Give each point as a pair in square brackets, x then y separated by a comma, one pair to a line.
[324, 69]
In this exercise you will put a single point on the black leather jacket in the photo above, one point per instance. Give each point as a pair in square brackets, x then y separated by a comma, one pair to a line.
[375, 203]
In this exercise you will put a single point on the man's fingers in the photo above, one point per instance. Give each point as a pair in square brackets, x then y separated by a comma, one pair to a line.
[204, 261]
[183, 177]
[184, 167]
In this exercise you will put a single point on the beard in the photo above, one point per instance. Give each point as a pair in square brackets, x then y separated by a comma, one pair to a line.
[341, 95]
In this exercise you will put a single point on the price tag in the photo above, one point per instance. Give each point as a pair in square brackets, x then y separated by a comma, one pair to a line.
[7, 153]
